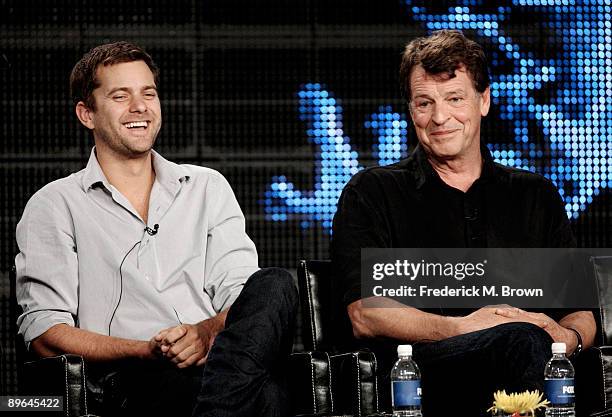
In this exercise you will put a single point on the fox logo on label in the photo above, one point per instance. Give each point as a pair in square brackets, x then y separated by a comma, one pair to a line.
[568, 389]
[419, 392]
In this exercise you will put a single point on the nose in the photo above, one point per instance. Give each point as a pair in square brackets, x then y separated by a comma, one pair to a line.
[138, 104]
[440, 113]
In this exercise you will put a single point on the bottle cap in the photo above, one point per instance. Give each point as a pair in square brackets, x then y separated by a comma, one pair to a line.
[559, 348]
[404, 350]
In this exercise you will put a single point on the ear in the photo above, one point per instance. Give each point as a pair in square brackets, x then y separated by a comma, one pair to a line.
[85, 115]
[485, 102]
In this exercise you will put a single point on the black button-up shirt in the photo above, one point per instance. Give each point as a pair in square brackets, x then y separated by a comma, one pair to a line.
[407, 205]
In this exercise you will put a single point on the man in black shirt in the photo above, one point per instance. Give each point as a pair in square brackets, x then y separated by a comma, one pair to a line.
[450, 193]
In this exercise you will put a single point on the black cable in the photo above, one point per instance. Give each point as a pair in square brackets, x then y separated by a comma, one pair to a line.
[120, 286]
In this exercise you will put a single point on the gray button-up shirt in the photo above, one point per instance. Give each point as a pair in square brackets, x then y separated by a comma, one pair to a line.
[84, 251]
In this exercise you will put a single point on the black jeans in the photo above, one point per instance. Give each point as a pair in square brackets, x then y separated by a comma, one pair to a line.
[459, 375]
[243, 375]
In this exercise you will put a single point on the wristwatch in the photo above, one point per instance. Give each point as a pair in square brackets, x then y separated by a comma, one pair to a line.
[579, 345]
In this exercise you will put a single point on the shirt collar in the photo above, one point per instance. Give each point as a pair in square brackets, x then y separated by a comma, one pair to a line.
[425, 170]
[167, 173]
[489, 170]
[93, 174]
[428, 174]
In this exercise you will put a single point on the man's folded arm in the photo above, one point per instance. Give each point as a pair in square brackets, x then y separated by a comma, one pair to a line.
[63, 338]
[390, 319]
[398, 322]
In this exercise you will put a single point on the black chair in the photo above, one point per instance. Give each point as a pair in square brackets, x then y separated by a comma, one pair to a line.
[343, 383]
[594, 365]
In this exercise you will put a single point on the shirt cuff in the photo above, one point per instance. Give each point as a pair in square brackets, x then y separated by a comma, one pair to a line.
[33, 324]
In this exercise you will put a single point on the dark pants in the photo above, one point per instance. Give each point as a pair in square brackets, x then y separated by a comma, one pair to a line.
[243, 375]
[459, 375]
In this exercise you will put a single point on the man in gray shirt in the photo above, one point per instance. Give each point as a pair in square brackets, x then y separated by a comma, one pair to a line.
[141, 265]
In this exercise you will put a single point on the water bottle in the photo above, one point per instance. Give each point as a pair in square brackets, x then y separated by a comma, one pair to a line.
[559, 383]
[405, 384]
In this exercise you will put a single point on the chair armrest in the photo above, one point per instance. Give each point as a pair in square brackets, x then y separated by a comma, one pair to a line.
[371, 415]
[594, 380]
[354, 383]
[354, 415]
[62, 375]
[309, 383]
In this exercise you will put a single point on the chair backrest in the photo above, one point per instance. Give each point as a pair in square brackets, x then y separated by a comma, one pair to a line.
[325, 324]
[603, 274]
[314, 282]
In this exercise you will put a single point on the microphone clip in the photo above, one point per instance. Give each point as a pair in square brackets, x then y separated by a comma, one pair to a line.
[153, 231]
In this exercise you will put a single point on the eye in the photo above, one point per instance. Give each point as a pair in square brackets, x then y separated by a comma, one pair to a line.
[455, 100]
[150, 94]
[119, 97]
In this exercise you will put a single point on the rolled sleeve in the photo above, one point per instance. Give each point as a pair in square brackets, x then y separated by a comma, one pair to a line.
[231, 256]
[46, 266]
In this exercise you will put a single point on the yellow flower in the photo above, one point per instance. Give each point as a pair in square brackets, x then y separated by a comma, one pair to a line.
[524, 402]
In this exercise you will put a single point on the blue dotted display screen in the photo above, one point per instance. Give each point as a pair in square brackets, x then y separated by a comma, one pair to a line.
[558, 106]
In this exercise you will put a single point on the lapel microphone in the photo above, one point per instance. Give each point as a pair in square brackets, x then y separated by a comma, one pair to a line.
[153, 231]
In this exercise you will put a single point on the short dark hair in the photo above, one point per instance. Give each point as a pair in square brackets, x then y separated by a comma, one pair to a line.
[443, 52]
[83, 79]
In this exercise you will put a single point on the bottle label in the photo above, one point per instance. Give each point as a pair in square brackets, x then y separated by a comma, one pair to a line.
[406, 393]
[559, 391]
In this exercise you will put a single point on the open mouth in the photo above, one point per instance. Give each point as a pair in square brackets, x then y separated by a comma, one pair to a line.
[140, 125]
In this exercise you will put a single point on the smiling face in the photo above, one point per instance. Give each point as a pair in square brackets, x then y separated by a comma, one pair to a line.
[446, 113]
[127, 115]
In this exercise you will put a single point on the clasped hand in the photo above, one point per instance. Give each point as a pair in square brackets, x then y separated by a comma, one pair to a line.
[488, 317]
[184, 345]
[557, 332]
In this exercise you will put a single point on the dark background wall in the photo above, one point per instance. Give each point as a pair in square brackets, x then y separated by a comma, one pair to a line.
[231, 73]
